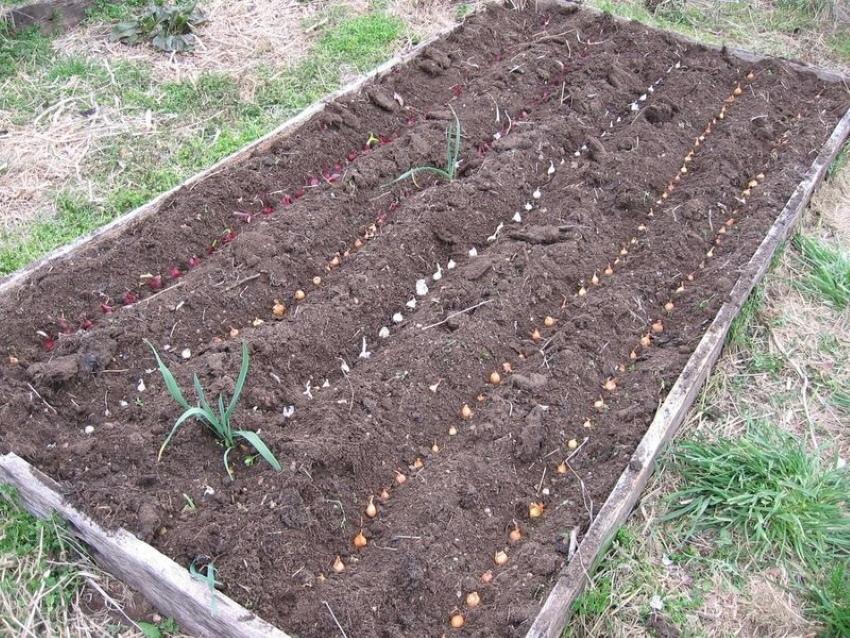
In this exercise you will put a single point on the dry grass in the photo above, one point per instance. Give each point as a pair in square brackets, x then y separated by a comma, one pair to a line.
[239, 38]
[48, 150]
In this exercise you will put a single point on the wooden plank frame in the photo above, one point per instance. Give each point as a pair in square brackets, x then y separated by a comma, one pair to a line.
[170, 588]
[174, 592]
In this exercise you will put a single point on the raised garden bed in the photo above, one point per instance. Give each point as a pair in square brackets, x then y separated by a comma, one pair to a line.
[478, 358]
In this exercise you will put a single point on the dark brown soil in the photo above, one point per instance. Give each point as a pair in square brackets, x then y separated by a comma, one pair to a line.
[565, 155]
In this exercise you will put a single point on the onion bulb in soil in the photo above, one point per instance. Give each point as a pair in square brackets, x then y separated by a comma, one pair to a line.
[515, 534]
[535, 510]
[549, 321]
[595, 279]
[385, 494]
[582, 291]
[360, 540]
[457, 621]
[278, 310]
[608, 270]
[435, 448]
[633, 355]
[452, 431]
[668, 306]
[658, 327]
[466, 412]
[645, 341]
[487, 577]
[473, 599]
[599, 404]
[317, 281]
[338, 565]
[371, 510]
[562, 468]
[500, 558]
[535, 335]
[400, 478]
[572, 444]
[299, 295]
[418, 464]
[610, 384]
[507, 368]
[495, 378]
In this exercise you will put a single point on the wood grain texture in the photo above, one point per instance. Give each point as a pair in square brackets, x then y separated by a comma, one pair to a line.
[555, 613]
[168, 586]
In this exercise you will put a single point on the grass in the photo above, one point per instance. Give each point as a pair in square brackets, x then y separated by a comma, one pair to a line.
[18, 50]
[41, 586]
[830, 601]
[827, 271]
[151, 166]
[766, 494]
[740, 332]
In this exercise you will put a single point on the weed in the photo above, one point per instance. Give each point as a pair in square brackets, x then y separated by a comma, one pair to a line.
[740, 332]
[829, 597]
[765, 362]
[106, 10]
[843, 156]
[29, 47]
[829, 271]
[360, 41]
[840, 398]
[219, 422]
[168, 27]
[463, 9]
[453, 133]
[765, 487]
[167, 627]
[210, 91]
[208, 578]
[840, 44]
[43, 582]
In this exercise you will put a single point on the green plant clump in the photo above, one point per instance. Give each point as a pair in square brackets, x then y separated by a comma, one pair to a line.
[766, 487]
[448, 173]
[829, 271]
[217, 421]
[168, 27]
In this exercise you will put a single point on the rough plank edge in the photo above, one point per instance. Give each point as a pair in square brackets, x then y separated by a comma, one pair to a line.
[119, 224]
[168, 586]
[554, 615]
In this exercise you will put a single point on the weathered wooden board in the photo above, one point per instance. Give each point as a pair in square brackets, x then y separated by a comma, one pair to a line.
[169, 587]
[554, 615]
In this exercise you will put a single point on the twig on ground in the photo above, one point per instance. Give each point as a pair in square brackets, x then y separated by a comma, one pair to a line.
[245, 280]
[333, 615]
[41, 398]
[455, 314]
